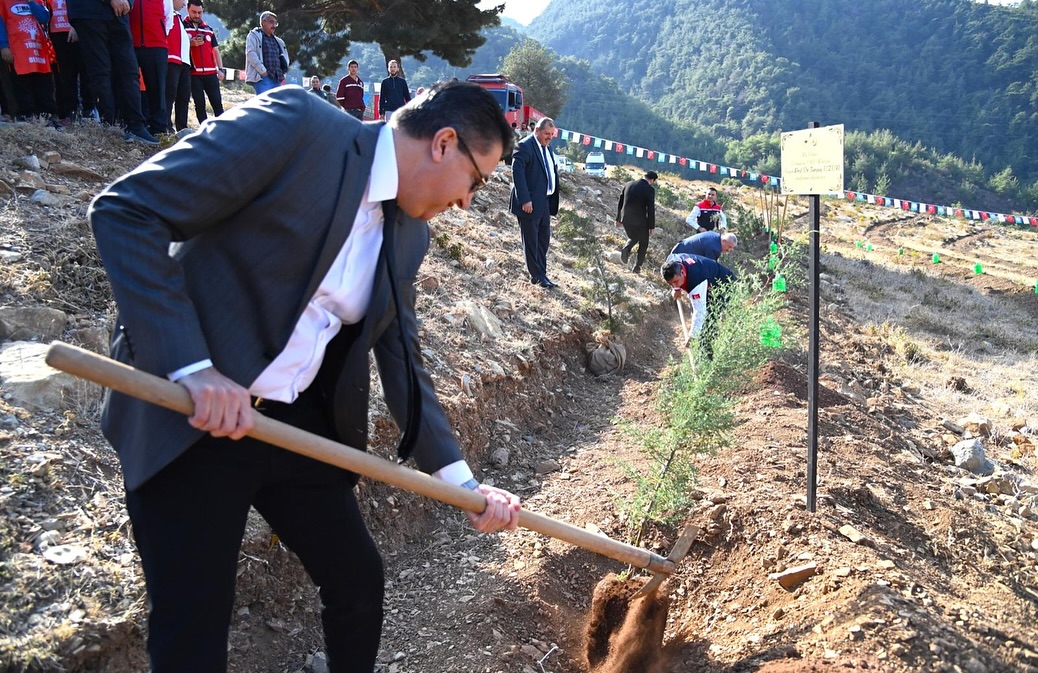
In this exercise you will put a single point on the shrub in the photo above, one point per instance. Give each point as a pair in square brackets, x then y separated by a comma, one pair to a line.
[697, 404]
[577, 233]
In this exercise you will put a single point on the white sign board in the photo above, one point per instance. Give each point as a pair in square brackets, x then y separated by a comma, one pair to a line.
[812, 161]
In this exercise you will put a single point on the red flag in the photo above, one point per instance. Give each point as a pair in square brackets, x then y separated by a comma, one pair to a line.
[765, 178]
[931, 209]
[650, 154]
[1010, 219]
[850, 196]
[619, 147]
[985, 216]
[1034, 221]
[906, 205]
[713, 168]
[683, 161]
[958, 212]
[587, 140]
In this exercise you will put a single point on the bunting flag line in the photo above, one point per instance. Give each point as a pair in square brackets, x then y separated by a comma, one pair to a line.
[946, 211]
[620, 147]
[774, 181]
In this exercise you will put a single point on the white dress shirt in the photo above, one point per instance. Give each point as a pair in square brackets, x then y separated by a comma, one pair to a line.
[342, 298]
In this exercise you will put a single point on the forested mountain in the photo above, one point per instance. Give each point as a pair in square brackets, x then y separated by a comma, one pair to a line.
[955, 82]
[953, 75]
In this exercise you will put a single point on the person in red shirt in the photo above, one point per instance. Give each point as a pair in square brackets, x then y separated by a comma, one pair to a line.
[206, 63]
[178, 70]
[150, 21]
[350, 93]
[27, 51]
[707, 215]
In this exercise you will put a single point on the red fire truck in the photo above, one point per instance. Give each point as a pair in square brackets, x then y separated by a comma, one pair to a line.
[509, 96]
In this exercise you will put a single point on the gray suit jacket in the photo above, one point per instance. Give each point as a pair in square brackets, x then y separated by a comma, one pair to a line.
[256, 206]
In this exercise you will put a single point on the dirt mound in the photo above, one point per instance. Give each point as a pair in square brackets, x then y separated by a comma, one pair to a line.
[783, 378]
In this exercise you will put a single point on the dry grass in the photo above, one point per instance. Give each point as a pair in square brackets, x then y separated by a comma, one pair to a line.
[940, 329]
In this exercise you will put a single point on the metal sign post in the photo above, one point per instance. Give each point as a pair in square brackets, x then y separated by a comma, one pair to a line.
[812, 164]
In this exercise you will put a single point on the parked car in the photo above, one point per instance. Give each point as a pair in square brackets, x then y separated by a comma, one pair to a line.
[595, 164]
[564, 164]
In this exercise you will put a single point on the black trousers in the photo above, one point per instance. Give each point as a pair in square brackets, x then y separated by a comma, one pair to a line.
[152, 61]
[637, 235]
[70, 77]
[35, 92]
[536, 235]
[354, 112]
[8, 98]
[202, 86]
[188, 523]
[178, 94]
[111, 67]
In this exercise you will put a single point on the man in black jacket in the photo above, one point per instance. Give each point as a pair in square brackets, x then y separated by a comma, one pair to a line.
[636, 213]
[394, 93]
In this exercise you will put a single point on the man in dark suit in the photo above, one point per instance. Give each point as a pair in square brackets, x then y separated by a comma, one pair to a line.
[636, 213]
[535, 197]
[710, 244]
[275, 288]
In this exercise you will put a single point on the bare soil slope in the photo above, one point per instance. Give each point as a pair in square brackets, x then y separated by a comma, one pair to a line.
[943, 576]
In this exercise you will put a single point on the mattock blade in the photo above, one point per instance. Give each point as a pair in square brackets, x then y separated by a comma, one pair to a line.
[681, 547]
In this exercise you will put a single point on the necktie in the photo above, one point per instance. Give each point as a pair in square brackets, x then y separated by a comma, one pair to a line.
[414, 399]
[548, 170]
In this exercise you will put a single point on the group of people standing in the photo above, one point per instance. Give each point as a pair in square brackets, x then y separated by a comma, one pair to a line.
[141, 64]
[394, 92]
[121, 63]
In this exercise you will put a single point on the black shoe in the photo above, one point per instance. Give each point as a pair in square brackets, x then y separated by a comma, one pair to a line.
[547, 282]
[636, 269]
[625, 255]
[142, 136]
[535, 281]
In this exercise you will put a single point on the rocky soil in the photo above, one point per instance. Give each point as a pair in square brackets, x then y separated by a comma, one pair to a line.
[922, 554]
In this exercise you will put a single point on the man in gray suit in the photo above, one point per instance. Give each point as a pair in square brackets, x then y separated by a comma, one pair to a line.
[535, 197]
[268, 291]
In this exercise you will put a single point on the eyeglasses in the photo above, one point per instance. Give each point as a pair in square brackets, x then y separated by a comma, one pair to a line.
[482, 181]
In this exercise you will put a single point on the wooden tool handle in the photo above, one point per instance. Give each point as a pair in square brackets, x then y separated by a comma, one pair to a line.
[688, 336]
[159, 391]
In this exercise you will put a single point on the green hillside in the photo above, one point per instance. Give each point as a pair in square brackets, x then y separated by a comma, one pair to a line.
[951, 75]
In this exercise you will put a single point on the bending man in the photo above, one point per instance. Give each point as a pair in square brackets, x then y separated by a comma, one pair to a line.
[698, 277]
[277, 285]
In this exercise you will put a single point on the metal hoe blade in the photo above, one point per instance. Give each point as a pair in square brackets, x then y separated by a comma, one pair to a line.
[681, 547]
